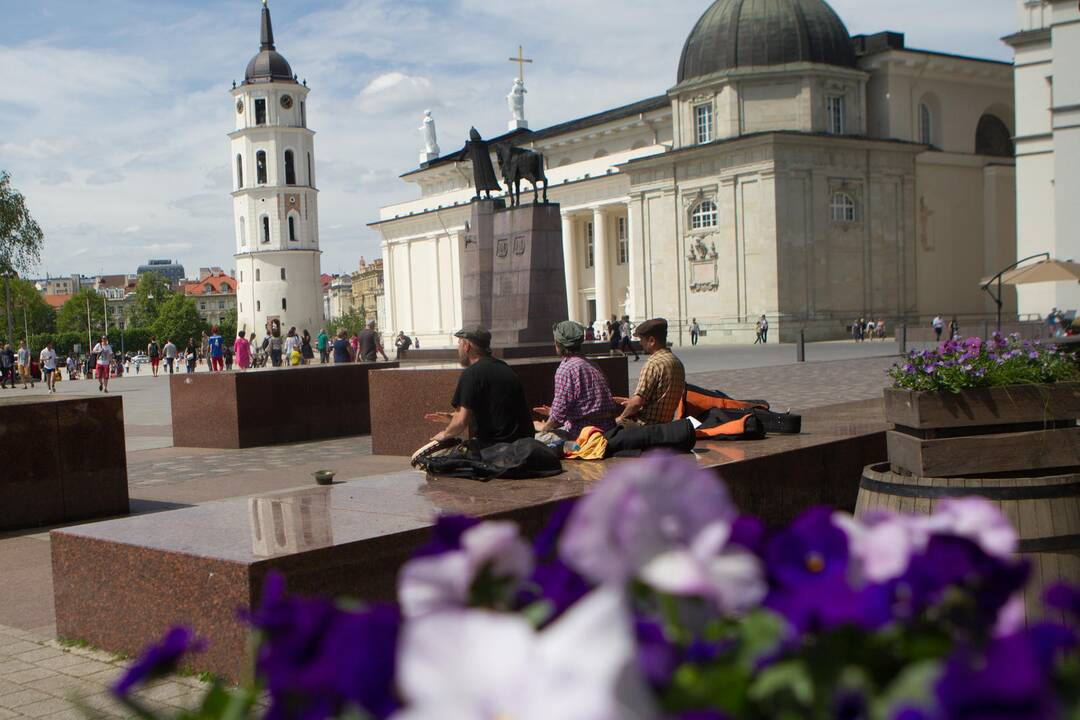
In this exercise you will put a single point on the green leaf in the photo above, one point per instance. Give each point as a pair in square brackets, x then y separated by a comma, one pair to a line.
[913, 687]
[782, 683]
[760, 633]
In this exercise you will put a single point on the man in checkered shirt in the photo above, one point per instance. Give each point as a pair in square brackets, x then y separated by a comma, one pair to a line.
[661, 385]
[582, 394]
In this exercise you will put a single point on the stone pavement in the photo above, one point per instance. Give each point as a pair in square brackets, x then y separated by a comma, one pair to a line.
[38, 677]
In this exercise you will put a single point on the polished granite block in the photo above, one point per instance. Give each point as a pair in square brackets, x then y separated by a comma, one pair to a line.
[520, 351]
[270, 407]
[120, 584]
[400, 398]
[63, 459]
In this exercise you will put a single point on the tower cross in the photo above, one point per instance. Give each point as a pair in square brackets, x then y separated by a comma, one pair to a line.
[521, 60]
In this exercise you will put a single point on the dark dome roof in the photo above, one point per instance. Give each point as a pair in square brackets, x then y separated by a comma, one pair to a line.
[269, 65]
[754, 33]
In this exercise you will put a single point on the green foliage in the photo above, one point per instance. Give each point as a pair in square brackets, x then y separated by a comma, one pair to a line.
[151, 292]
[21, 238]
[30, 313]
[178, 319]
[353, 322]
[71, 317]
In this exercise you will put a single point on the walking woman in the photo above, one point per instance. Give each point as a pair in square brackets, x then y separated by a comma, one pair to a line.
[242, 350]
[191, 354]
[292, 348]
[307, 353]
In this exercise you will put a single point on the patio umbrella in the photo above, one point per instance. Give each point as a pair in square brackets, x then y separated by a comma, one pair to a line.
[1043, 271]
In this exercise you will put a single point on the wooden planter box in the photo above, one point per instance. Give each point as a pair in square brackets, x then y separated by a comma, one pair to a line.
[989, 430]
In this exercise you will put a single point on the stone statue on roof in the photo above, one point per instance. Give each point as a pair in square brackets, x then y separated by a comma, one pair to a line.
[516, 102]
[431, 143]
[477, 151]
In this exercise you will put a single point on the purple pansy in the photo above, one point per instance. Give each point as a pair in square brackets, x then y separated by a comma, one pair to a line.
[160, 659]
[446, 535]
[1064, 597]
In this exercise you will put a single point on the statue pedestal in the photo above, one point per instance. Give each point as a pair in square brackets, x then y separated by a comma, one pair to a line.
[514, 280]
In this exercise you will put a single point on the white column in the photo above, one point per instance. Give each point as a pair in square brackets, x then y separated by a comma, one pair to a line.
[602, 265]
[570, 267]
[631, 262]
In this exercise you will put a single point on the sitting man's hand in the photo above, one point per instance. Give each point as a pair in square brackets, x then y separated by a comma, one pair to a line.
[439, 417]
[543, 411]
[620, 400]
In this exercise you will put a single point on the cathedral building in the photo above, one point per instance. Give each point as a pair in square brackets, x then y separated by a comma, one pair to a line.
[274, 197]
[792, 171]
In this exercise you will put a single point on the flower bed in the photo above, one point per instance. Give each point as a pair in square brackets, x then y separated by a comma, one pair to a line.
[652, 598]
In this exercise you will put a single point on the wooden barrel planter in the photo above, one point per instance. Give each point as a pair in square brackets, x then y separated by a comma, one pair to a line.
[1017, 446]
[1045, 510]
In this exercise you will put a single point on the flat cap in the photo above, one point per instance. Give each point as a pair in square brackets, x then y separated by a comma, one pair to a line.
[656, 326]
[568, 334]
[477, 334]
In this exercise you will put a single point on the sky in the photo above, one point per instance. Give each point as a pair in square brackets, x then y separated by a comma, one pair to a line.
[114, 115]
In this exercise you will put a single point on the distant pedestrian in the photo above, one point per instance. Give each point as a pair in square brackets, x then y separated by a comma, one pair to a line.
[48, 366]
[627, 345]
[763, 328]
[322, 344]
[105, 358]
[216, 350]
[242, 350]
[342, 349]
[354, 347]
[371, 345]
[402, 342]
[954, 329]
[7, 366]
[170, 355]
[23, 360]
[695, 331]
[307, 354]
[154, 353]
[72, 367]
[292, 348]
[856, 330]
[204, 349]
[274, 343]
[191, 354]
[871, 329]
[614, 333]
[881, 329]
[939, 326]
[416, 342]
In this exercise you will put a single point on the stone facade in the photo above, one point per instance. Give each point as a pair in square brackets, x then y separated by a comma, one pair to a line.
[368, 288]
[805, 192]
[215, 295]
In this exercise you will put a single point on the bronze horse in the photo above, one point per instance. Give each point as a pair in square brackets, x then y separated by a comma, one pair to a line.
[519, 164]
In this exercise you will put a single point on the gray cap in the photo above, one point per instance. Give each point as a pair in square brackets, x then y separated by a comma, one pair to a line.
[656, 326]
[476, 334]
[568, 333]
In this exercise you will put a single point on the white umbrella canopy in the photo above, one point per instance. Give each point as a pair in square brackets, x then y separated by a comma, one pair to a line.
[1043, 271]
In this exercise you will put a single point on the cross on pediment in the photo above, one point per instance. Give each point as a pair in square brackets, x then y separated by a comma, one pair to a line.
[521, 60]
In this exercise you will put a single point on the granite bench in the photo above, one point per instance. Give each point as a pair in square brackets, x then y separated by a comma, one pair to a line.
[268, 407]
[400, 398]
[62, 458]
[119, 584]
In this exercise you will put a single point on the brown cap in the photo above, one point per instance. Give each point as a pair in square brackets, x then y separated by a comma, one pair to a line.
[656, 326]
[476, 334]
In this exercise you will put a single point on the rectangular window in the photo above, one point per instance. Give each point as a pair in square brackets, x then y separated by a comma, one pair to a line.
[202, 306]
[221, 304]
[260, 111]
[703, 129]
[303, 114]
[590, 245]
[624, 242]
[835, 111]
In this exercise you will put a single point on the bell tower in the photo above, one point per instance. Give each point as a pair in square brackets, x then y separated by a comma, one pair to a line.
[275, 201]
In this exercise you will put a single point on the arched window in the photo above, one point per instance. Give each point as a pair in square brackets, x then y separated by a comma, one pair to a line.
[310, 177]
[703, 215]
[282, 273]
[260, 167]
[243, 231]
[208, 288]
[258, 275]
[284, 305]
[290, 168]
[926, 134]
[239, 171]
[265, 229]
[225, 287]
[292, 228]
[842, 208]
[992, 137]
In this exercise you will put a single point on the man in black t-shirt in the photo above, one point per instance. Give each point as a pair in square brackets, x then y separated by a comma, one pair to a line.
[489, 398]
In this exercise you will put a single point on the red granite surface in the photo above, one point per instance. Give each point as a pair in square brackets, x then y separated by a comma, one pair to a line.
[269, 407]
[120, 583]
[400, 398]
[62, 459]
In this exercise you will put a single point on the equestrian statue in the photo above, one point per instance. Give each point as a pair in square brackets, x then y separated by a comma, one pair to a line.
[519, 164]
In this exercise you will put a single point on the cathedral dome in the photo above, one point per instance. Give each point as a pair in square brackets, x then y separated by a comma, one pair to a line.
[758, 33]
[269, 65]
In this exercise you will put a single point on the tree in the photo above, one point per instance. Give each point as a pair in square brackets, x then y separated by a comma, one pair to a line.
[31, 313]
[151, 292]
[72, 315]
[20, 240]
[178, 319]
[353, 322]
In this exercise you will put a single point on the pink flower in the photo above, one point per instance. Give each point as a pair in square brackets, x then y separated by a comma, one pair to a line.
[441, 582]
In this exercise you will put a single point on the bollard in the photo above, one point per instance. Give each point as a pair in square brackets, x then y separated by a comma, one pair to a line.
[903, 339]
[801, 349]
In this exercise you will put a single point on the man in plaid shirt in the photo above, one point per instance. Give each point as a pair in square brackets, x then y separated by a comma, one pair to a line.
[582, 393]
[661, 386]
